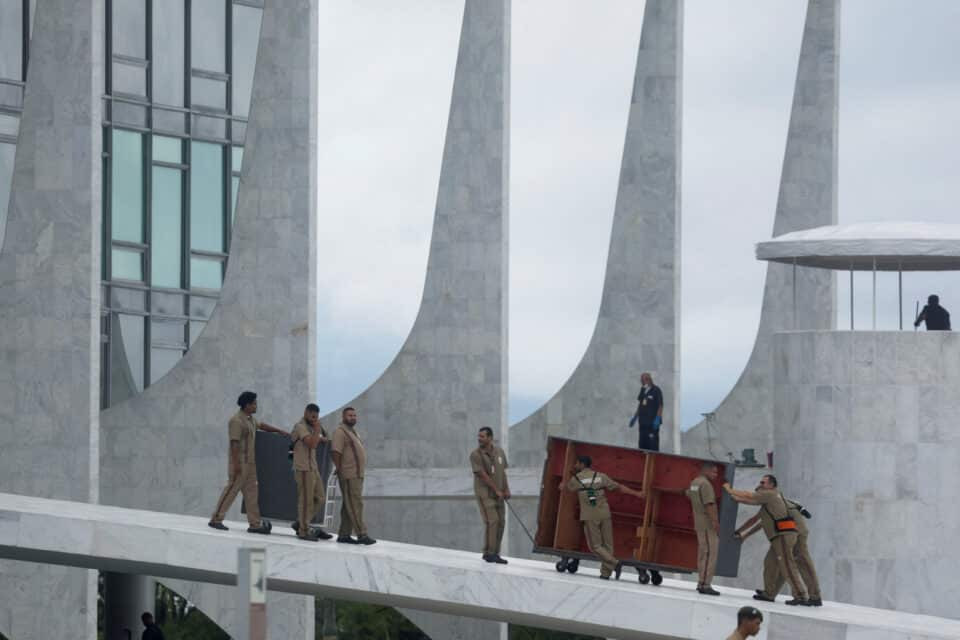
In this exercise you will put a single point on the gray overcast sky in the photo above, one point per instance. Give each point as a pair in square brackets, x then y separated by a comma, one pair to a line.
[386, 72]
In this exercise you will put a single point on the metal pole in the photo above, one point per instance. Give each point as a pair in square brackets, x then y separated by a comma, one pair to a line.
[851, 296]
[251, 594]
[900, 292]
[874, 294]
[794, 294]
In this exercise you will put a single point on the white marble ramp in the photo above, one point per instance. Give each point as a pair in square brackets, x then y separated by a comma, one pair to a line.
[440, 580]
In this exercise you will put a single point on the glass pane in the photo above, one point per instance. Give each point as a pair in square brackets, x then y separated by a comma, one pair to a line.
[129, 78]
[205, 273]
[201, 307]
[126, 181]
[11, 39]
[170, 304]
[235, 189]
[206, 196]
[246, 37]
[128, 299]
[207, 92]
[127, 354]
[167, 149]
[130, 28]
[11, 96]
[209, 127]
[238, 131]
[195, 329]
[173, 121]
[168, 51]
[208, 26]
[129, 114]
[6, 179]
[161, 361]
[127, 264]
[9, 124]
[236, 160]
[166, 246]
[168, 332]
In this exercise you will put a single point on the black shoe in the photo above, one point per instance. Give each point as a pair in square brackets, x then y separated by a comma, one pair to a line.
[217, 525]
[815, 602]
[797, 602]
[764, 597]
[604, 577]
[365, 539]
[347, 540]
[498, 559]
[295, 525]
[489, 557]
[309, 536]
[617, 569]
[708, 591]
[320, 533]
[264, 528]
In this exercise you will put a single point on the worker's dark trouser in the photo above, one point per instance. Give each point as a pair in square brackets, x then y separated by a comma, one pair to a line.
[649, 438]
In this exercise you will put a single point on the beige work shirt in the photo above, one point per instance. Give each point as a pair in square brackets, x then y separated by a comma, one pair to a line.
[583, 483]
[701, 494]
[736, 635]
[304, 458]
[353, 457]
[773, 506]
[243, 429]
[494, 462]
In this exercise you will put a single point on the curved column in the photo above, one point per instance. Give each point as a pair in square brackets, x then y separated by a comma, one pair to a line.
[637, 327]
[866, 438]
[50, 308]
[419, 419]
[165, 449]
[807, 198]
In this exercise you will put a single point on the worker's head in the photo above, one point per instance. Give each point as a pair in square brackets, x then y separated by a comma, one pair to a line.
[485, 436]
[749, 620]
[583, 462]
[768, 481]
[709, 469]
[146, 618]
[349, 416]
[311, 413]
[247, 402]
[933, 300]
[646, 379]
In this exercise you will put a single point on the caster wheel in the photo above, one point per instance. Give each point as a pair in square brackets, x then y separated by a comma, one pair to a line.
[573, 565]
[656, 578]
[643, 577]
[561, 565]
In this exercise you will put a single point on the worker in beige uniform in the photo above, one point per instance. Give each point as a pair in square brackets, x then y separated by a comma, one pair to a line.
[781, 531]
[591, 487]
[490, 486]
[242, 466]
[307, 435]
[706, 522]
[749, 620]
[773, 579]
[350, 459]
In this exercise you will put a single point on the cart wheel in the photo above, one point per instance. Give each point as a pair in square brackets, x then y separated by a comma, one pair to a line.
[561, 565]
[643, 576]
[573, 565]
[656, 578]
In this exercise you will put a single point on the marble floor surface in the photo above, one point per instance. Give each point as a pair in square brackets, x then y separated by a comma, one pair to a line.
[448, 581]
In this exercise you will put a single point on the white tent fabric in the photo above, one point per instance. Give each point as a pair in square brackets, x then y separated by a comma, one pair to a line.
[884, 246]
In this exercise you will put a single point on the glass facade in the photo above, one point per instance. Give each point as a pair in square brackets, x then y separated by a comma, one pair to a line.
[16, 20]
[180, 74]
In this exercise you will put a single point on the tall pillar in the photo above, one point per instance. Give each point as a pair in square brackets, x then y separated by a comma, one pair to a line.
[126, 598]
[50, 308]
[807, 198]
[638, 325]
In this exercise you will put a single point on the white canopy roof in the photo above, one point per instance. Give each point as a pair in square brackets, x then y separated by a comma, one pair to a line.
[907, 246]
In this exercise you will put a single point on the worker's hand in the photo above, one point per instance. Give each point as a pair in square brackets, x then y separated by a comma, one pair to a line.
[657, 421]
[726, 486]
[633, 421]
[506, 494]
[737, 535]
[500, 494]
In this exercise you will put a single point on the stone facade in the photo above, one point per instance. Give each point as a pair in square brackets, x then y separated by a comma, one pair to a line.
[866, 438]
[807, 198]
[50, 308]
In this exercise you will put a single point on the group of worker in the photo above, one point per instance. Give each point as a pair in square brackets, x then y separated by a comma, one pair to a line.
[349, 458]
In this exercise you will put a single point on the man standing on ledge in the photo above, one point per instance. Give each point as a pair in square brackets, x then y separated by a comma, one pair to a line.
[649, 415]
[936, 317]
[591, 487]
[350, 458]
[489, 464]
[307, 435]
[706, 522]
[242, 470]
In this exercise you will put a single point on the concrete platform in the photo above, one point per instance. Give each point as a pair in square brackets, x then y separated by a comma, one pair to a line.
[527, 592]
